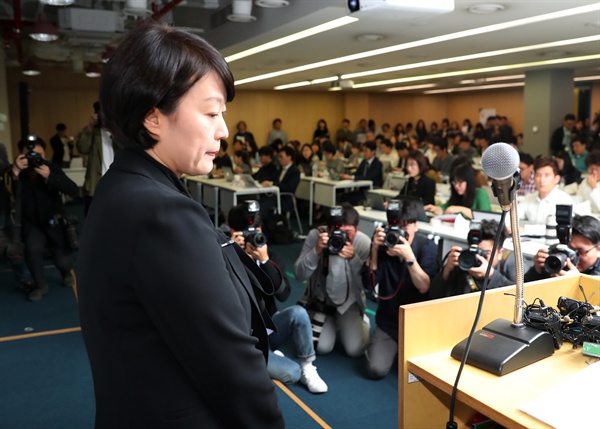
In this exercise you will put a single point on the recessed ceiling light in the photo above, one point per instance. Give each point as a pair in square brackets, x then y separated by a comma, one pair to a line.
[272, 3]
[369, 37]
[484, 8]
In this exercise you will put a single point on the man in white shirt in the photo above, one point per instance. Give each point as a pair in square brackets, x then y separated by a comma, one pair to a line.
[537, 206]
[389, 155]
[589, 189]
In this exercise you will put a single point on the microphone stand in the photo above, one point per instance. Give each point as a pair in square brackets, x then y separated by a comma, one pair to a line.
[501, 346]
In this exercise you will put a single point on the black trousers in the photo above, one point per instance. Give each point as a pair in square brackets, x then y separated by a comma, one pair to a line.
[37, 240]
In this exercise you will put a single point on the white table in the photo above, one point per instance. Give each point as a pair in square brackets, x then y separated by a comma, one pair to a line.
[445, 232]
[323, 191]
[219, 193]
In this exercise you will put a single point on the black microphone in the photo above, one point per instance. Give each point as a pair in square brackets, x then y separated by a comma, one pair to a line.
[500, 162]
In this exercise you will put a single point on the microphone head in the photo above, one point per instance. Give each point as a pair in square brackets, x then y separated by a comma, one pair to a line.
[500, 161]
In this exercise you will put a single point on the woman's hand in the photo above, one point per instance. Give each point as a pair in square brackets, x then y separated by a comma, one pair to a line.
[433, 209]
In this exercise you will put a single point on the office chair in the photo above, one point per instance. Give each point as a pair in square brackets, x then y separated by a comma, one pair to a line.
[287, 215]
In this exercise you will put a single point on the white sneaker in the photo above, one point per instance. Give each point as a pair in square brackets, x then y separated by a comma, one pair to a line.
[311, 379]
[278, 353]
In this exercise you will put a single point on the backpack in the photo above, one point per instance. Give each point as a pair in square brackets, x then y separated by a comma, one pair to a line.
[276, 228]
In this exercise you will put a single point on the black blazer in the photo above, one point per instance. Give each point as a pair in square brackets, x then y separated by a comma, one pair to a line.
[424, 188]
[268, 172]
[172, 327]
[374, 172]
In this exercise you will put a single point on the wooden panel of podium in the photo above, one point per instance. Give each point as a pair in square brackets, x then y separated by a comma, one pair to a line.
[429, 330]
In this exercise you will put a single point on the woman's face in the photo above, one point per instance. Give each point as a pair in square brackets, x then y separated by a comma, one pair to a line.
[306, 152]
[189, 139]
[460, 186]
[412, 168]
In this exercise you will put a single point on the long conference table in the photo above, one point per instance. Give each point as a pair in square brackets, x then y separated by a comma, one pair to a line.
[219, 194]
[319, 190]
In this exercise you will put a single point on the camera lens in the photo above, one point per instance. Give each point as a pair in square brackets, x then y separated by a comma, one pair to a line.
[554, 263]
[468, 259]
[336, 243]
[392, 238]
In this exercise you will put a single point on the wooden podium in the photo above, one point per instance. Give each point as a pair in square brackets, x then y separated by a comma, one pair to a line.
[430, 329]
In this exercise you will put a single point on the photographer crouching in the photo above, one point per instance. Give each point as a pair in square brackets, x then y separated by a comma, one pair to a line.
[577, 252]
[331, 260]
[37, 186]
[292, 322]
[402, 264]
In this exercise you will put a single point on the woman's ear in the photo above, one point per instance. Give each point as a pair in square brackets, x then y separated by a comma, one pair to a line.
[153, 122]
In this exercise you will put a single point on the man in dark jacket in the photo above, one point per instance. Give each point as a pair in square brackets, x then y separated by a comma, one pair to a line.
[561, 137]
[38, 185]
[370, 168]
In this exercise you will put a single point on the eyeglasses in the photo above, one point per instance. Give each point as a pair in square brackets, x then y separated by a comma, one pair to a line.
[457, 182]
[583, 252]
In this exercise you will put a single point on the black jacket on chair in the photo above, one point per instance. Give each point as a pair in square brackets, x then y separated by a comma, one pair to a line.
[175, 335]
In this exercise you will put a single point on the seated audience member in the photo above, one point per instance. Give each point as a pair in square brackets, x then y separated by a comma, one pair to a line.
[482, 142]
[388, 154]
[418, 184]
[465, 148]
[334, 293]
[221, 160]
[589, 189]
[465, 193]
[277, 144]
[355, 158]
[370, 168]
[292, 322]
[443, 160]
[241, 162]
[333, 163]
[268, 170]
[316, 149]
[39, 187]
[452, 280]
[537, 206]
[527, 181]
[568, 173]
[287, 180]
[402, 151]
[403, 272]
[579, 153]
[585, 240]
[307, 160]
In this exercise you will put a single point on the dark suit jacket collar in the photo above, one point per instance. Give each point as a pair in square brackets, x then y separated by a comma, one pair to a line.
[138, 161]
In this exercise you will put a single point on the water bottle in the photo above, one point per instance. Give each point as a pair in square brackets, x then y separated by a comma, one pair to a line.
[315, 169]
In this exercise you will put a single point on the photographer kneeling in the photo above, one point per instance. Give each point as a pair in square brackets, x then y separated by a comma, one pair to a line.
[292, 322]
[37, 187]
[402, 263]
[581, 254]
[331, 260]
[464, 270]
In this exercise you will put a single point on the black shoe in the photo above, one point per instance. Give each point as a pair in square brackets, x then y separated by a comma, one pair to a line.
[37, 294]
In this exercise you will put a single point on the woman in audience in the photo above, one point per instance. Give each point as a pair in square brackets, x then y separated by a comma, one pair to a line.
[241, 162]
[568, 173]
[306, 160]
[465, 193]
[418, 184]
[421, 130]
[399, 133]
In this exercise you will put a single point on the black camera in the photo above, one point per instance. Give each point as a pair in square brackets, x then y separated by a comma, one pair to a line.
[468, 257]
[337, 237]
[394, 231]
[546, 319]
[560, 252]
[33, 158]
[251, 234]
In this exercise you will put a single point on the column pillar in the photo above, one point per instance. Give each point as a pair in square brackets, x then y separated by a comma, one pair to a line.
[548, 97]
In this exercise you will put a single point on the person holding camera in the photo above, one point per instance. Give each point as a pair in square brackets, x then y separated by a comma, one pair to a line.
[465, 269]
[95, 142]
[331, 260]
[402, 264]
[581, 254]
[292, 322]
[37, 186]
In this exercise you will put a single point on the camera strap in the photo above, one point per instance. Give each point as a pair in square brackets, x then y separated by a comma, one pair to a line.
[372, 283]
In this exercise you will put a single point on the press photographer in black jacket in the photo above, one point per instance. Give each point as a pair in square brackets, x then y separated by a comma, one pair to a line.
[37, 187]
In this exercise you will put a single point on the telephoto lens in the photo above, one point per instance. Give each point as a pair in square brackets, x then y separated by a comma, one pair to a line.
[557, 258]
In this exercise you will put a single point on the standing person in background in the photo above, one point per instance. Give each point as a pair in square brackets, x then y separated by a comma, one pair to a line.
[97, 144]
[167, 305]
[246, 138]
[561, 137]
[360, 133]
[321, 133]
[62, 147]
[344, 133]
[277, 133]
